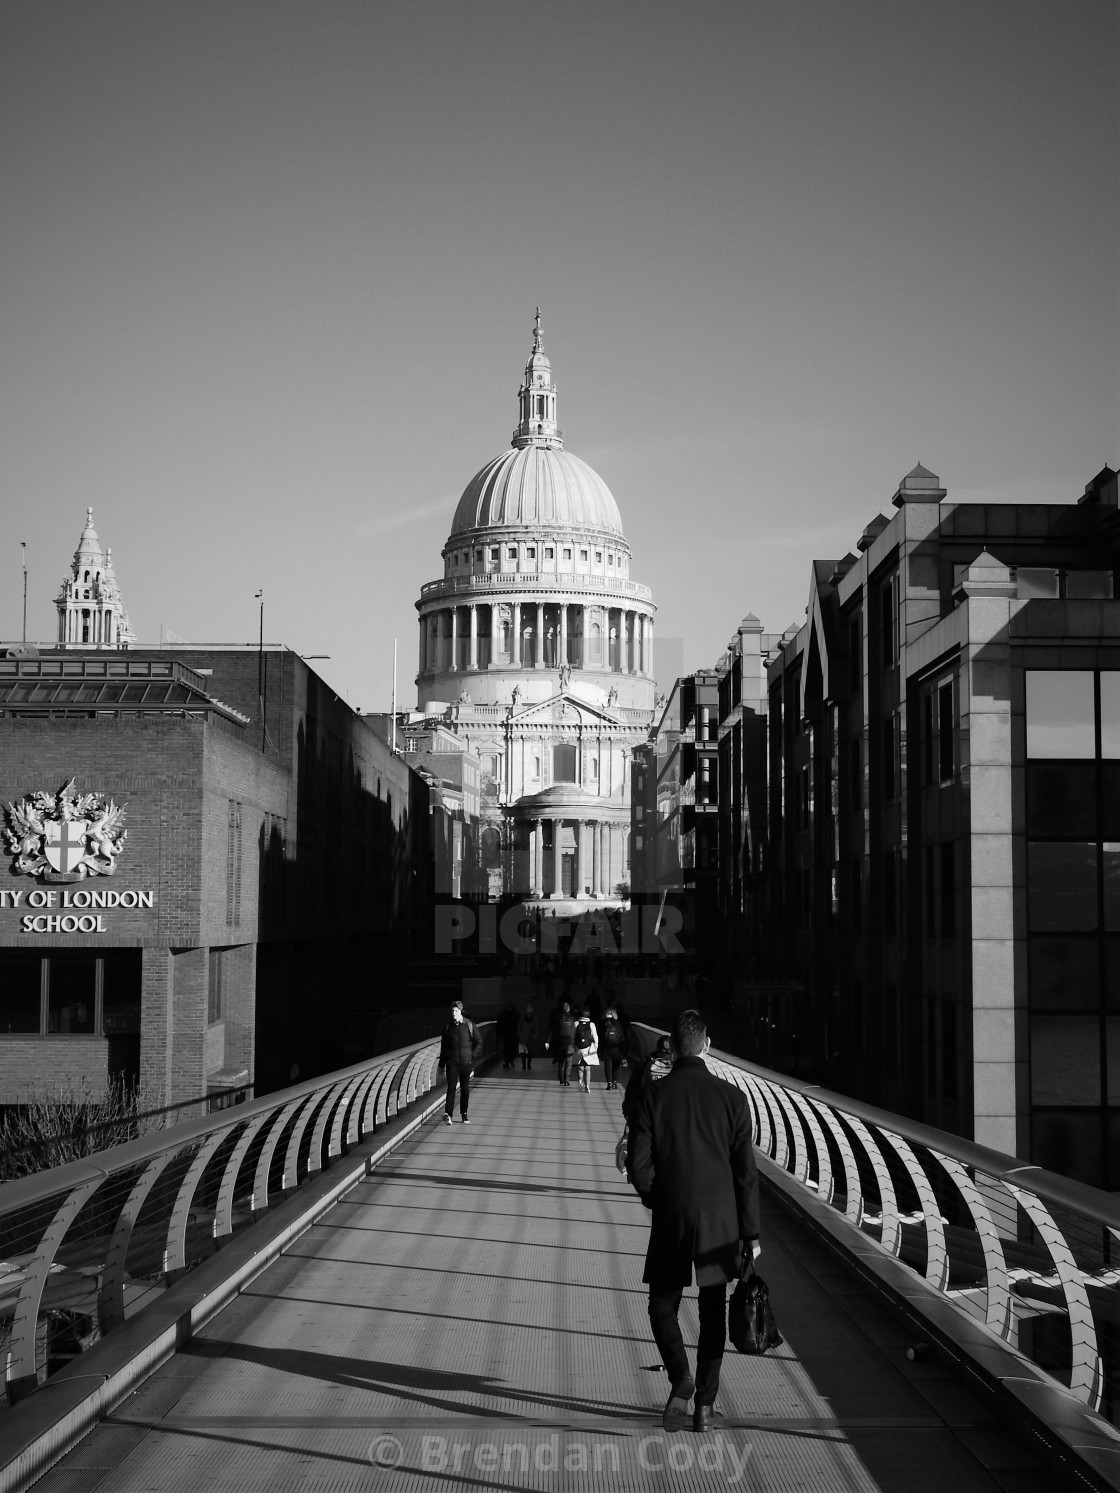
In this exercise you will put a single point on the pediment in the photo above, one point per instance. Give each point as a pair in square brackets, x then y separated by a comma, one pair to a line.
[563, 710]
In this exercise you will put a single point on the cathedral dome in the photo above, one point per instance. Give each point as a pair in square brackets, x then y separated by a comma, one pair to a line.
[542, 487]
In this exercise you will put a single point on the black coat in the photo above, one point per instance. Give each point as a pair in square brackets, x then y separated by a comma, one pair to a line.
[461, 1043]
[692, 1161]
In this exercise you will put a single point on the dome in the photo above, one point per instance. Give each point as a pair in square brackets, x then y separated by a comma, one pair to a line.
[540, 487]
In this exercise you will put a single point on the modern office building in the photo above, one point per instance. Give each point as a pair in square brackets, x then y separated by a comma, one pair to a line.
[536, 650]
[943, 849]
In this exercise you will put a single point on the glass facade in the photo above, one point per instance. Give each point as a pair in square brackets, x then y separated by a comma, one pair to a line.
[1073, 920]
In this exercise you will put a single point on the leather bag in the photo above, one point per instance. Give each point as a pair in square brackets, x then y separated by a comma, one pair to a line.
[750, 1318]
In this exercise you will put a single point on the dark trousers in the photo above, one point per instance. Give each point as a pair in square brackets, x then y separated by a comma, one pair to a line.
[609, 1057]
[663, 1309]
[458, 1074]
[563, 1058]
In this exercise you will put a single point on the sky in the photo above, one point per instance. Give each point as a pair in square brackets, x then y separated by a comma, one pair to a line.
[268, 274]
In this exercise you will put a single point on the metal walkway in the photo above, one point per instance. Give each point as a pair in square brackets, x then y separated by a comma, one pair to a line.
[472, 1316]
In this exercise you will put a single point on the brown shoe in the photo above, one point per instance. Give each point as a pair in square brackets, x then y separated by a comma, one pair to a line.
[675, 1415]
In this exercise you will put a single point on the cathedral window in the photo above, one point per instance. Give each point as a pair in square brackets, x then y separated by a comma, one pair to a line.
[567, 554]
[478, 557]
[564, 763]
[583, 555]
[598, 557]
[531, 552]
[549, 552]
[495, 554]
[512, 552]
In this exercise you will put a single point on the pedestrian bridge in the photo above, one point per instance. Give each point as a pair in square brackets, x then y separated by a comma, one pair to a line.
[462, 1307]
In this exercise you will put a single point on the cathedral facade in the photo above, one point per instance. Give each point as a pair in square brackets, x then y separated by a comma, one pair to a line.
[536, 650]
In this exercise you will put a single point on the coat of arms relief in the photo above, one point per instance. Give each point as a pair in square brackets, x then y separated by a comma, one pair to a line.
[65, 836]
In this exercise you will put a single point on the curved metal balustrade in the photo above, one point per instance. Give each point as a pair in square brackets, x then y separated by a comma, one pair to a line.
[86, 1246]
[1032, 1255]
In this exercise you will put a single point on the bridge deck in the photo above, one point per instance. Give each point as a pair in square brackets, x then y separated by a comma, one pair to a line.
[473, 1316]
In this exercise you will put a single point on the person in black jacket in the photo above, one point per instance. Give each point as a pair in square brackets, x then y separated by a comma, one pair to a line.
[460, 1047]
[692, 1161]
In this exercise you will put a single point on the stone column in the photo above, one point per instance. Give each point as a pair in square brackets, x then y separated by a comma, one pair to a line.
[423, 645]
[516, 653]
[596, 858]
[563, 659]
[454, 664]
[474, 637]
[538, 857]
[538, 652]
[577, 864]
[649, 648]
[641, 643]
[557, 863]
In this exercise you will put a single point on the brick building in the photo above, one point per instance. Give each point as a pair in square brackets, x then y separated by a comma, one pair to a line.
[258, 912]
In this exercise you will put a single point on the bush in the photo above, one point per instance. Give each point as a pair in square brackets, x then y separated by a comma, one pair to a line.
[57, 1126]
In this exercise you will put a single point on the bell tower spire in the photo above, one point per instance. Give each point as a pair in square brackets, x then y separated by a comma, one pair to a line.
[537, 399]
[90, 611]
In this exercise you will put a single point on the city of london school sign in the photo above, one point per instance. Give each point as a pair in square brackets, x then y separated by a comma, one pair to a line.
[61, 839]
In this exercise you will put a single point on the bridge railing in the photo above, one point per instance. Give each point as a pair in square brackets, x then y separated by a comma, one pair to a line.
[85, 1246]
[1032, 1255]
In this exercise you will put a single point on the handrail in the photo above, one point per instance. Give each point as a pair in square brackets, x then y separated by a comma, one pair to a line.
[1031, 1255]
[87, 1245]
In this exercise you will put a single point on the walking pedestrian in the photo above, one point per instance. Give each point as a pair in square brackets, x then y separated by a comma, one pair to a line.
[526, 1037]
[586, 1048]
[561, 1040]
[692, 1162]
[459, 1048]
[610, 1045]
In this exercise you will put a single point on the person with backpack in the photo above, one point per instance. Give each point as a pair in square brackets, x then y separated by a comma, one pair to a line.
[561, 1040]
[586, 1051]
[459, 1048]
[610, 1045]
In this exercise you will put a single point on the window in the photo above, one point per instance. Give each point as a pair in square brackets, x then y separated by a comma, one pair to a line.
[233, 865]
[214, 989]
[567, 553]
[1030, 583]
[948, 898]
[598, 557]
[1091, 584]
[495, 554]
[610, 559]
[1061, 886]
[594, 766]
[890, 776]
[530, 552]
[888, 621]
[466, 557]
[583, 555]
[536, 769]
[549, 552]
[20, 992]
[1060, 713]
[855, 776]
[945, 732]
[72, 993]
[563, 763]
[478, 557]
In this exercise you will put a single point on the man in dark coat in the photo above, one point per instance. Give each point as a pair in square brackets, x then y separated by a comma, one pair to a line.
[692, 1161]
[460, 1047]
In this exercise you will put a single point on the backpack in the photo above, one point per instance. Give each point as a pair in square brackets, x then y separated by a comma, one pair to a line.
[612, 1033]
[583, 1034]
[566, 1026]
